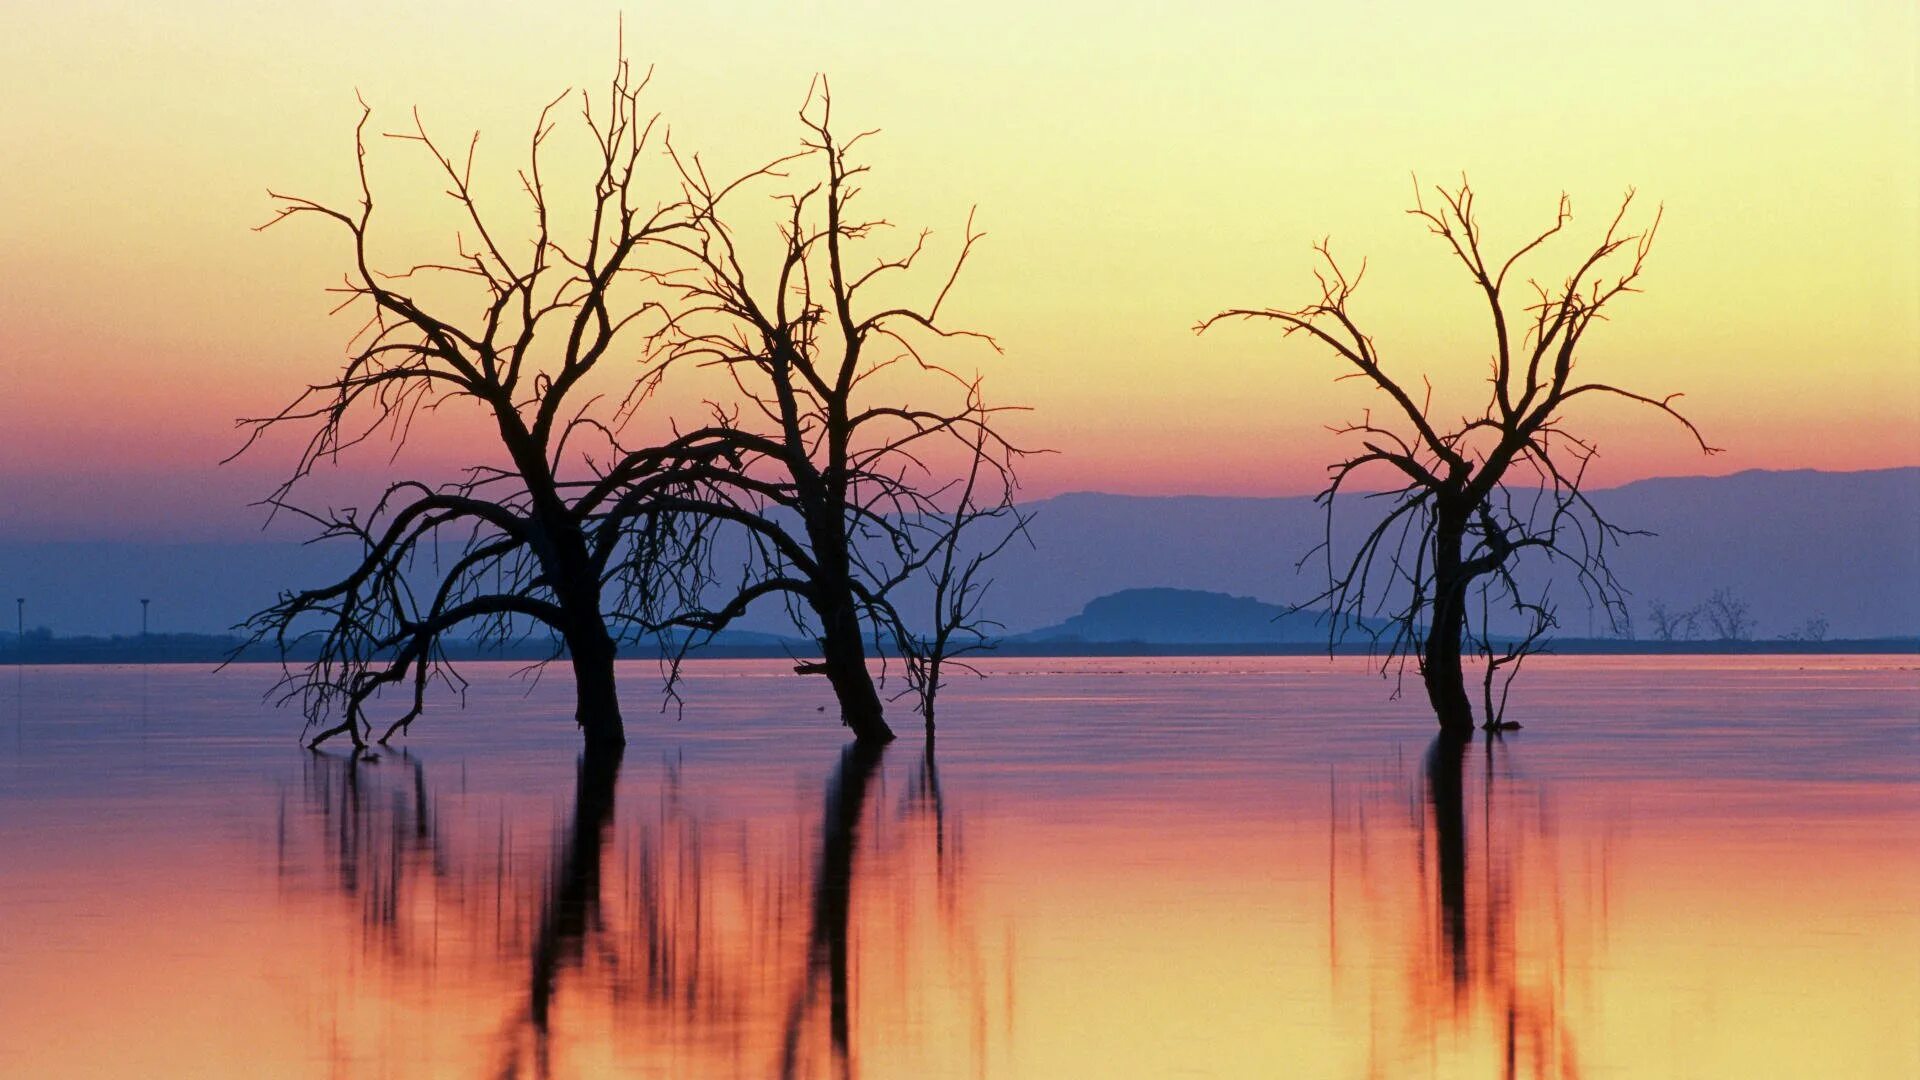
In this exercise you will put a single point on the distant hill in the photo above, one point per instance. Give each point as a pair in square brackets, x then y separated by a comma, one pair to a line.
[1795, 545]
[1183, 617]
[1189, 621]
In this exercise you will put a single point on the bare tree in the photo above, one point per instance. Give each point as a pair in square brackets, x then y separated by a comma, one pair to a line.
[1468, 500]
[1673, 624]
[1728, 615]
[514, 323]
[832, 481]
[1814, 629]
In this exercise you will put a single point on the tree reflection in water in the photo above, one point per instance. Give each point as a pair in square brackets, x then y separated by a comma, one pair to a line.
[690, 941]
[832, 904]
[1476, 919]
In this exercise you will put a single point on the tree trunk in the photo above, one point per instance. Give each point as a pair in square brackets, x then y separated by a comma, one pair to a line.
[926, 698]
[1440, 659]
[597, 704]
[844, 658]
[1441, 667]
[843, 652]
[568, 568]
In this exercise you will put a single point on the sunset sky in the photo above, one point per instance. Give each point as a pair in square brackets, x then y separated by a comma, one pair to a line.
[1134, 170]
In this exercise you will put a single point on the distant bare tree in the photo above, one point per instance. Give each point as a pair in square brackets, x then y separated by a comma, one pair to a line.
[1672, 624]
[1467, 500]
[1729, 615]
[538, 539]
[832, 480]
[1814, 629]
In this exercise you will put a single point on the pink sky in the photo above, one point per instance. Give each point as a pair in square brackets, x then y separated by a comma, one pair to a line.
[1134, 173]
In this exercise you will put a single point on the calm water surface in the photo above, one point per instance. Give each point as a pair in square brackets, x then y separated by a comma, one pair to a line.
[1107, 868]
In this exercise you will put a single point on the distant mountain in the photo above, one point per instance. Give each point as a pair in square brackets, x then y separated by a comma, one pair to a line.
[1183, 617]
[1192, 621]
[1794, 545]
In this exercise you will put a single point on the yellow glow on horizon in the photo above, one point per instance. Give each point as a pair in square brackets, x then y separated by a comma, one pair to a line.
[1135, 171]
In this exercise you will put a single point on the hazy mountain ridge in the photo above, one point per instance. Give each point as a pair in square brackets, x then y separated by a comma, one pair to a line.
[1191, 621]
[1794, 545]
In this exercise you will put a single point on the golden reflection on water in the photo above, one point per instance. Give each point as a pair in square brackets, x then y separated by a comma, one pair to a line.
[658, 941]
[1144, 873]
[1462, 883]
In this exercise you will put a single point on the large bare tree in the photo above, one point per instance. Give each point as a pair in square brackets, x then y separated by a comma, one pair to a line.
[516, 322]
[842, 488]
[1465, 501]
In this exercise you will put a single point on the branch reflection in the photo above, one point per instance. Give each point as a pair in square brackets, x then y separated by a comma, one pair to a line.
[687, 938]
[1478, 917]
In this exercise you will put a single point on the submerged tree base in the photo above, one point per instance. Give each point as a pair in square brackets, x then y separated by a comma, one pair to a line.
[1446, 692]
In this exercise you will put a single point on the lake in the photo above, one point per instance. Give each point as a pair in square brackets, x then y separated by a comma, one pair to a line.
[1259, 867]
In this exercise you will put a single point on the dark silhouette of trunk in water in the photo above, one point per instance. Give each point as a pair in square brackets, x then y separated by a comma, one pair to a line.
[925, 796]
[1492, 969]
[843, 652]
[571, 906]
[597, 700]
[833, 906]
[1446, 760]
[844, 662]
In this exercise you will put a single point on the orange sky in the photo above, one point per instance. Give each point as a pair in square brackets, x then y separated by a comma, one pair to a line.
[1134, 172]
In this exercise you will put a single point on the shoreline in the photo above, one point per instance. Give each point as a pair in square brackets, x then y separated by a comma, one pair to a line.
[208, 649]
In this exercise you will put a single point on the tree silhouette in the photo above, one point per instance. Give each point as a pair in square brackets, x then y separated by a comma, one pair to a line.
[1814, 629]
[956, 573]
[1672, 624]
[1729, 615]
[830, 484]
[515, 324]
[1468, 500]
[831, 478]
